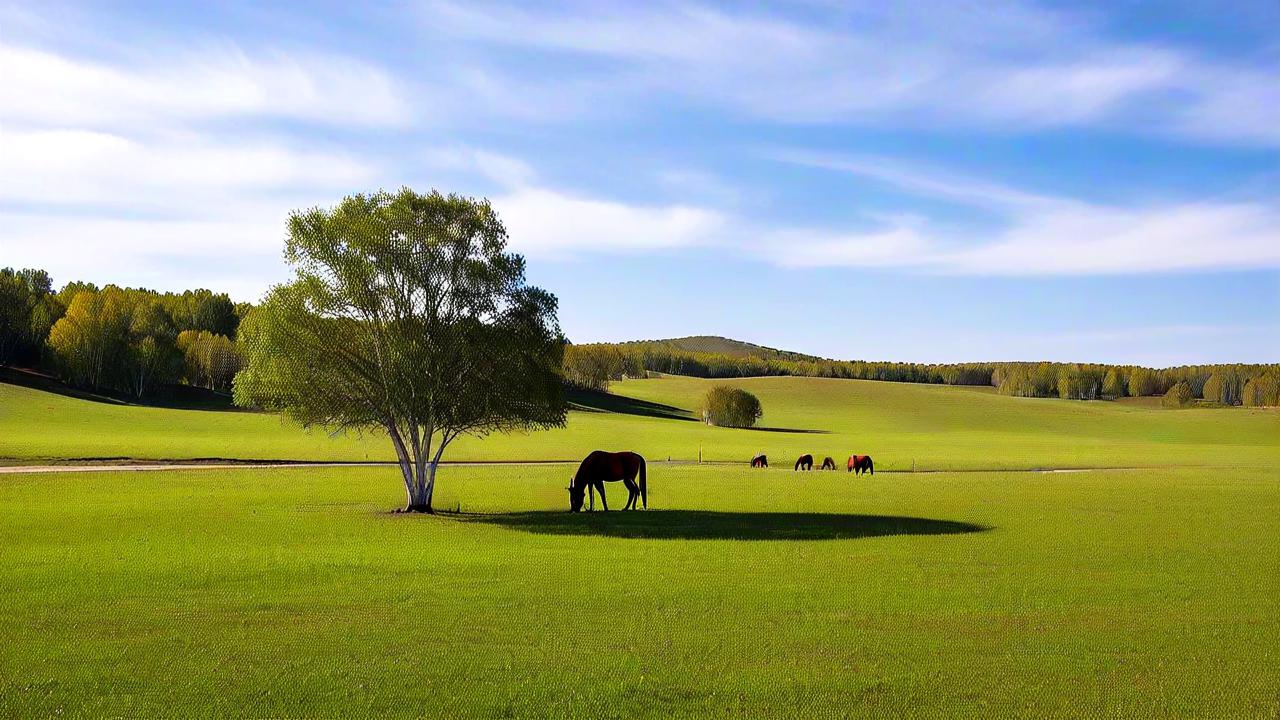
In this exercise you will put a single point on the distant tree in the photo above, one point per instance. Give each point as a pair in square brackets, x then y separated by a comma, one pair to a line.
[1143, 382]
[1179, 395]
[405, 313]
[593, 366]
[25, 304]
[1214, 390]
[1113, 383]
[209, 360]
[151, 357]
[89, 340]
[1262, 390]
[727, 406]
[1077, 383]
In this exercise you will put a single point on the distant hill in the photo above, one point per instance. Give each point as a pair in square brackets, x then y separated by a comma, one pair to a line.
[728, 346]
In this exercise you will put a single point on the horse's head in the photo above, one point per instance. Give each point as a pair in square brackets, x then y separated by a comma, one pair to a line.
[576, 495]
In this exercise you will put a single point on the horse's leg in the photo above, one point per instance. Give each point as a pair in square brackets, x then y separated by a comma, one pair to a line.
[633, 493]
[605, 503]
[591, 488]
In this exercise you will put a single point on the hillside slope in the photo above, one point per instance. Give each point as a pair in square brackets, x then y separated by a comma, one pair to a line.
[901, 425]
[728, 346]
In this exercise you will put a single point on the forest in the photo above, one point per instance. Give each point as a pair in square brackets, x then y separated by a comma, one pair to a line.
[136, 341]
[595, 365]
[127, 340]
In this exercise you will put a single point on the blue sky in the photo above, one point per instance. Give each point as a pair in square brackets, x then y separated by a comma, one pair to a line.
[938, 181]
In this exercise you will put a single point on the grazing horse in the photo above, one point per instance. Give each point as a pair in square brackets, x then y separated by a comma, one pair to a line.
[805, 461]
[828, 464]
[601, 467]
[859, 464]
[760, 461]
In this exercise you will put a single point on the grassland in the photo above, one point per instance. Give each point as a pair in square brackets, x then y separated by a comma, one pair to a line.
[740, 593]
[901, 425]
[292, 592]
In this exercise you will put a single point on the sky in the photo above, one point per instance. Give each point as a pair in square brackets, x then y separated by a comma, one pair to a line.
[933, 181]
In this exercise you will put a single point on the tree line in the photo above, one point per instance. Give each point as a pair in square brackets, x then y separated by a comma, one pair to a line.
[126, 340]
[595, 365]
[136, 341]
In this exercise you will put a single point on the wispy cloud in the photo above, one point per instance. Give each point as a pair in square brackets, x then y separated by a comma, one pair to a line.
[1038, 234]
[1004, 65]
[173, 173]
[50, 89]
[160, 171]
[547, 222]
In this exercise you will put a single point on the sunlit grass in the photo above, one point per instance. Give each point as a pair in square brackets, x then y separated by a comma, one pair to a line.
[295, 592]
[901, 425]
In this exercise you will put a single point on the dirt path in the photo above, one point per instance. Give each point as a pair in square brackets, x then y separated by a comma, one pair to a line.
[145, 466]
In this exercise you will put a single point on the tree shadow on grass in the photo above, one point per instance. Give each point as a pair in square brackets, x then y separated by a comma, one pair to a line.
[701, 525]
[177, 397]
[801, 431]
[584, 400]
[596, 401]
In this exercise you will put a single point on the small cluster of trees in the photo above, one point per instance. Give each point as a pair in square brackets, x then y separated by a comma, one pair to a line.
[727, 406]
[594, 366]
[28, 308]
[128, 340]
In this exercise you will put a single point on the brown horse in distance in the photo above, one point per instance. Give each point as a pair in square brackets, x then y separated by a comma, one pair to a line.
[859, 464]
[828, 464]
[805, 462]
[601, 467]
[760, 461]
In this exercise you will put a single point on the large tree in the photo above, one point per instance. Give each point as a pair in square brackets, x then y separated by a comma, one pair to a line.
[406, 313]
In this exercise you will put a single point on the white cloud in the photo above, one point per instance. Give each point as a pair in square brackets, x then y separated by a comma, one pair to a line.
[1039, 234]
[548, 223]
[125, 172]
[45, 89]
[85, 167]
[240, 256]
[1086, 239]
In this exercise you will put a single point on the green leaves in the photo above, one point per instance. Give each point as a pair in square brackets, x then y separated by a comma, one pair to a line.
[728, 406]
[406, 312]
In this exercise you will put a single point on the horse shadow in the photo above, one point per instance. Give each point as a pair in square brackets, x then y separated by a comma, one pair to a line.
[706, 525]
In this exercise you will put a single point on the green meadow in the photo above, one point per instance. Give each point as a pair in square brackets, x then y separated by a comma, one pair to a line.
[929, 427]
[1147, 591]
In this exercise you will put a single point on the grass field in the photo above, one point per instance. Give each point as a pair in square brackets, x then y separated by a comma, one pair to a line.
[901, 425]
[294, 592]
[740, 593]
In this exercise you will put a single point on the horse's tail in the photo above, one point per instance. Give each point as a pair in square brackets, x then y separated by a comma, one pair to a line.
[870, 465]
[644, 488]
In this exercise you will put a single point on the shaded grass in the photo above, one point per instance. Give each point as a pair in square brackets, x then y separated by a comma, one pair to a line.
[703, 525]
[294, 592]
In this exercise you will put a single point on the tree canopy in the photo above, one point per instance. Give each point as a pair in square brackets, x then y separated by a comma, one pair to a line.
[407, 313]
[728, 406]
[1180, 395]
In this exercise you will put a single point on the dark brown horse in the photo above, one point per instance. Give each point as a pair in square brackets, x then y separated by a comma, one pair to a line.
[828, 464]
[760, 461]
[601, 467]
[805, 462]
[859, 464]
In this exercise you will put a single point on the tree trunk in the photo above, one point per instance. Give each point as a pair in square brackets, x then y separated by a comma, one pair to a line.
[419, 497]
[412, 486]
